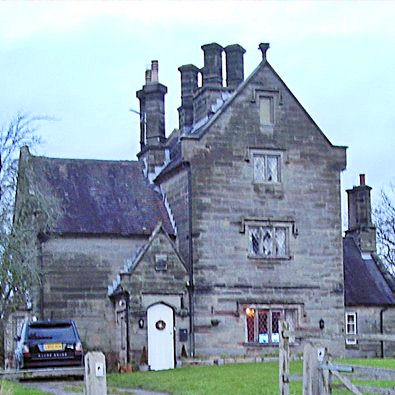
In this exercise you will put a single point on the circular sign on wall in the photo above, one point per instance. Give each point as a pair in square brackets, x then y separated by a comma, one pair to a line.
[160, 325]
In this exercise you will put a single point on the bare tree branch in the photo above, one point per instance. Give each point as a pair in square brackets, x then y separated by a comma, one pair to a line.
[18, 233]
[384, 217]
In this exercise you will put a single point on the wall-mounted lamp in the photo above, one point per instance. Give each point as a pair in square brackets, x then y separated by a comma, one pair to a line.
[215, 322]
[141, 323]
[322, 324]
[237, 312]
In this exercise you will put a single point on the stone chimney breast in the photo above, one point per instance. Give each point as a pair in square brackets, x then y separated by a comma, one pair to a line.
[152, 109]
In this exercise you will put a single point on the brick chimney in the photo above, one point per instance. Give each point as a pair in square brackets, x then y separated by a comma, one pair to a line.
[360, 225]
[152, 117]
[189, 86]
[234, 65]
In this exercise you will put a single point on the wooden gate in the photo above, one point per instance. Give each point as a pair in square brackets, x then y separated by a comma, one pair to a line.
[320, 374]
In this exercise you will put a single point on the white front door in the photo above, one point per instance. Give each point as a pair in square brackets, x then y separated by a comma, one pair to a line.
[160, 325]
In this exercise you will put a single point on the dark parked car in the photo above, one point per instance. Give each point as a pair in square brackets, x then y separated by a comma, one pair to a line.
[48, 344]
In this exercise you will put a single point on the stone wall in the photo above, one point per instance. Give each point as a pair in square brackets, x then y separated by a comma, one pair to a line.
[368, 322]
[175, 186]
[77, 272]
[226, 200]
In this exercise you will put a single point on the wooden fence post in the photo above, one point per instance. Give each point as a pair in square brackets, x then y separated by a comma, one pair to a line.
[315, 381]
[283, 370]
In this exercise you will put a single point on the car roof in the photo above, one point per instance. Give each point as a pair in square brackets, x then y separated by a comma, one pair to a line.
[50, 323]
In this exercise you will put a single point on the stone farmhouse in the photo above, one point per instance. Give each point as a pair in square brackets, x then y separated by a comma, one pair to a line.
[218, 231]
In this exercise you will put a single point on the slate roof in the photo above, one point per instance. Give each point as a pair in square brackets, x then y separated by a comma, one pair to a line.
[364, 283]
[174, 146]
[100, 197]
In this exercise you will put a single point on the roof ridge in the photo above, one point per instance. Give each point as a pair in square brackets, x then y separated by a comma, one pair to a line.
[92, 160]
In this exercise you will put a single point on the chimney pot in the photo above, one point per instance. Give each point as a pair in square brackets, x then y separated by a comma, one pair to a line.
[362, 180]
[154, 71]
[263, 48]
[147, 76]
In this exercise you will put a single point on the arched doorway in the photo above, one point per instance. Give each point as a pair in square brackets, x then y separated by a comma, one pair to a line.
[160, 328]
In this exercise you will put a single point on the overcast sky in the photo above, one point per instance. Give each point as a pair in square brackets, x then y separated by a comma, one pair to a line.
[82, 62]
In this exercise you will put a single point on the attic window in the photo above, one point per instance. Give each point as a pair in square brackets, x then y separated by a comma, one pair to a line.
[266, 110]
[160, 262]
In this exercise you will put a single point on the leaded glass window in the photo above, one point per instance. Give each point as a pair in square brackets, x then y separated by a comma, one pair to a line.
[268, 241]
[281, 241]
[263, 325]
[272, 168]
[266, 168]
[259, 168]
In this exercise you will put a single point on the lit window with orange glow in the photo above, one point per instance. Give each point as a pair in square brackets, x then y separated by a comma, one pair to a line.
[250, 312]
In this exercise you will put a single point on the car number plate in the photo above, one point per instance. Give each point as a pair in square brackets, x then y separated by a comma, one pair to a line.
[53, 346]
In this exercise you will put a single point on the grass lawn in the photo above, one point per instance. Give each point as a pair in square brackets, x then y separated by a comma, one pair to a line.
[232, 379]
[11, 388]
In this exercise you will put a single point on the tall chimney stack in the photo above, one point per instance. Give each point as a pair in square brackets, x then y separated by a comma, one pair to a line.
[152, 108]
[360, 225]
[212, 70]
[189, 85]
[234, 65]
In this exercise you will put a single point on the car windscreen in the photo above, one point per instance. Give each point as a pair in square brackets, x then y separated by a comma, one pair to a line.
[56, 332]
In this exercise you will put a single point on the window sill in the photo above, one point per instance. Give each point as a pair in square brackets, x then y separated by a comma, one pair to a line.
[352, 346]
[267, 128]
[260, 345]
[269, 259]
[267, 183]
[275, 188]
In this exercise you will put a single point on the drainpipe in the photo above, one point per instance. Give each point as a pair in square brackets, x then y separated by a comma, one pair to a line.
[41, 275]
[127, 327]
[382, 330]
[187, 166]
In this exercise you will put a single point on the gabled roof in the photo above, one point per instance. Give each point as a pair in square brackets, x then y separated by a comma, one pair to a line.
[132, 263]
[364, 283]
[99, 197]
[199, 130]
